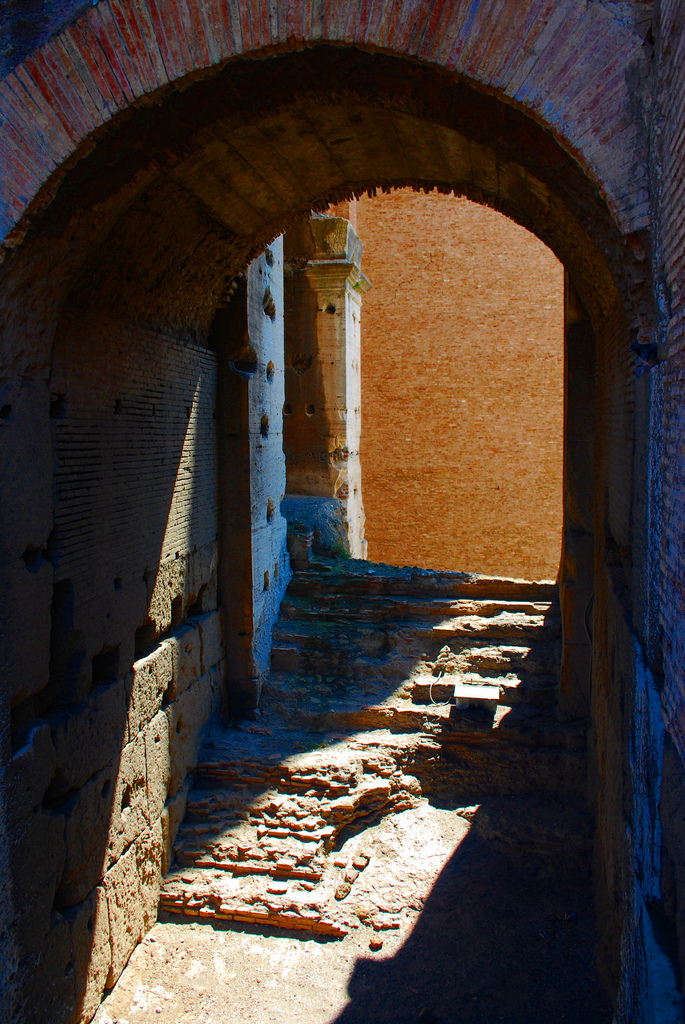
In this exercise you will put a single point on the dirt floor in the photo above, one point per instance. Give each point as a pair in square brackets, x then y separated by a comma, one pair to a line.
[479, 933]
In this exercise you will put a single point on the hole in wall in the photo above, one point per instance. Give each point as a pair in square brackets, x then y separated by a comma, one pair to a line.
[126, 800]
[179, 726]
[33, 559]
[118, 407]
[330, 309]
[91, 924]
[264, 426]
[198, 605]
[270, 371]
[276, 571]
[301, 362]
[177, 610]
[269, 304]
[266, 580]
[118, 582]
[269, 257]
[270, 511]
[105, 666]
[58, 406]
[310, 410]
[6, 412]
[144, 638]
[287, 409]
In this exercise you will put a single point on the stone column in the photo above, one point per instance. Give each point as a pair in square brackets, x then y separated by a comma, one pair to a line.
[576, 576]
[253, 569]
[322, 413]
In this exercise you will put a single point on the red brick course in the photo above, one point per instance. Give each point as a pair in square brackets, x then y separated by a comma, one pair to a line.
[121, 50]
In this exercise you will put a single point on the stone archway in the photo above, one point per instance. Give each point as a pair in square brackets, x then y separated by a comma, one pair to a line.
[151, 160]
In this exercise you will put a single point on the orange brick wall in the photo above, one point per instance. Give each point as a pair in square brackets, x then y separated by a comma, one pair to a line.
[462, 388]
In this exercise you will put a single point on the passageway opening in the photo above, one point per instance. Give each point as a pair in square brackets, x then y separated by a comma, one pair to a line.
[126, 257]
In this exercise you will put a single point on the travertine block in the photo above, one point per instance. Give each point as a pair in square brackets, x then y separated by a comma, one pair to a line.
[172, 815]
[92, 954]
[157, 761]
[51, 996]
[149, 856]
[37, 836]
[211, 630]
[86, 738]
[125, 911]
[130, 813]
[187, 717]
[150, 679]
[88, 814]
[184, 646]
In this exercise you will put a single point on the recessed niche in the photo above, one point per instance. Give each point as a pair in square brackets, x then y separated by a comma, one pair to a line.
[177, 610]
[287, 409]
[33, 559]
[266, 580]
[145, 638]
[264, 426]
[269, 305]
[58, 406]
[270, 371]
[270, 511]
[106, 666]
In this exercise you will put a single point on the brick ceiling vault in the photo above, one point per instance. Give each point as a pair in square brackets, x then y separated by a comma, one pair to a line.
[150, 148]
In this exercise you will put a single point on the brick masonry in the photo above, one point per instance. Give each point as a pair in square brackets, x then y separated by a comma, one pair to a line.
[144, 163]
[462, 373]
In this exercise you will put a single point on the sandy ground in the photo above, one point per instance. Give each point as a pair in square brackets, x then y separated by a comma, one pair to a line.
[493, 939]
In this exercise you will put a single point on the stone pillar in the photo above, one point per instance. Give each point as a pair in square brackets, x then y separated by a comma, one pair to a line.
[253, 568]
[322, 413]
[576, 576]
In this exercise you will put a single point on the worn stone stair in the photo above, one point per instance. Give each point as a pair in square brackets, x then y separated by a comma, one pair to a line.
[356, 724]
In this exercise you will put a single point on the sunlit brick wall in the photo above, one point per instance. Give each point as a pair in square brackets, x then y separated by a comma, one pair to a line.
[462, 388]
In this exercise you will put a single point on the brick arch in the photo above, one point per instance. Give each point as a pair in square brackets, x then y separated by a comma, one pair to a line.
[573, 68]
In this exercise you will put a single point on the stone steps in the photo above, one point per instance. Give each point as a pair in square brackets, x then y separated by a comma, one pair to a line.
[355, 726]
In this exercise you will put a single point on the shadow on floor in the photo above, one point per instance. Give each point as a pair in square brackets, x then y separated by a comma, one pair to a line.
[504, 937]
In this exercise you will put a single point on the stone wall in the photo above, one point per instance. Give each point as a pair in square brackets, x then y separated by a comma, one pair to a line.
[102, 749]
[462, 388]
[105, 738]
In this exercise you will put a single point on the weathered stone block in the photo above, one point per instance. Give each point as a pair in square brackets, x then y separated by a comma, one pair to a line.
[36, 836]
[149, 852]
[51, 995]
[157, 761]
[87, 821]
[187, 717]
[211, 630]
[172, 815]
[150, 679]
[130, 814]
[125, 911]
[86, 738]
[92, 954]
[185, 647]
